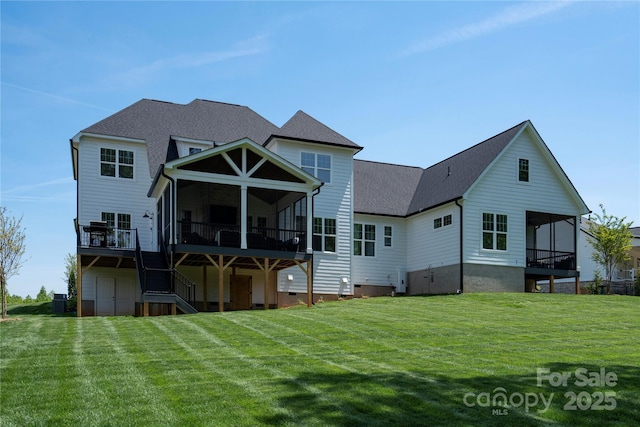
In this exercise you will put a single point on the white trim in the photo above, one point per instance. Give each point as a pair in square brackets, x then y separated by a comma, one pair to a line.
[79, 135]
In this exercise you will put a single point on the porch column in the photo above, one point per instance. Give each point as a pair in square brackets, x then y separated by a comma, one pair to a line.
[79, 287]
[551, 285]
[243, 216]
[220, 283]
[309, 222]
[266, 283]
[204, 288]
[578, 285]
[309, 284]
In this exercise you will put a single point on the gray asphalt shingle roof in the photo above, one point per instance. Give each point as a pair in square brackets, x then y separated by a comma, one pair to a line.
[385, 189]
[157, 122]
[302, 126]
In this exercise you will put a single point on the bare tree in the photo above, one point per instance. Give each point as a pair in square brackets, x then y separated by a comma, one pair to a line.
[12, 247]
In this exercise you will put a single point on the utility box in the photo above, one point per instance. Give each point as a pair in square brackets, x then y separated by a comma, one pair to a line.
[59, 303]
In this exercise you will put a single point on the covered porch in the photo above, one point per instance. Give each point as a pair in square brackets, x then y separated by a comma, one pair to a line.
[551, 250]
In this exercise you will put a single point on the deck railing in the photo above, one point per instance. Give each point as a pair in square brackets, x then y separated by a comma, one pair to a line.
[91, 236]
[555, 260]
[224, 235]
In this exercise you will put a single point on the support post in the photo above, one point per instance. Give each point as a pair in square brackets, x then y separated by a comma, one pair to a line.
[243, 216]
[79, 287]
[309, 284]
[173, 308]
[266, 283]
[220, 283]
[145, 309]
[551, 284]
[204, 288]
[578, 285]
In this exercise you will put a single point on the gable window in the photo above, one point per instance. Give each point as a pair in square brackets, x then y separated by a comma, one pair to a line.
[494, 231]
[364, 239]
[388, 235]
[324, 234]
[194, 150]
[318, 165]
[437, 223]
[523, 170]
[116, 163]
[446, 220]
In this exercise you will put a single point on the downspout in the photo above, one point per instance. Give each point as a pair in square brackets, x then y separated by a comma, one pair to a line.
[171, 214]
[461, 290]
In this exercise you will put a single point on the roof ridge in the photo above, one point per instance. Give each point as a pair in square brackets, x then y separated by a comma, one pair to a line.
[217, 102]
[479, 143]
[387, 163]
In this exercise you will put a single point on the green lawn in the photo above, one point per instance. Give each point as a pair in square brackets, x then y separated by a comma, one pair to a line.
[379, 361]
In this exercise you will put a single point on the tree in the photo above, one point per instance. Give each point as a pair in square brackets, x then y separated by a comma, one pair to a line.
[12, 247]
[71, 267]
[611, 240]
[42, 295]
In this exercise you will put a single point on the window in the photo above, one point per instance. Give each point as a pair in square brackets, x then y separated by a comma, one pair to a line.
[318, 165]
[388, 234]
[523, 170]
[122, 163]
[494, 231]
[194, 150]
[300, 214]
[324, 234]
[262, 223]
[442, 222]
[364, 239]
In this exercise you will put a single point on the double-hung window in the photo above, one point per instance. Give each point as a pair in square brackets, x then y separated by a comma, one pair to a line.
[388, 235]
[324, 234]
[364, 239]
[494, 231]
[116, 163]
[318, 165]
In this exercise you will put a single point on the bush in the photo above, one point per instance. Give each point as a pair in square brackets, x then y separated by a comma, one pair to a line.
[636, 285]
[594, 287]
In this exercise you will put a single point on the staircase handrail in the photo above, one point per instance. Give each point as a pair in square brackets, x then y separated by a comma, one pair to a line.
[140, 265]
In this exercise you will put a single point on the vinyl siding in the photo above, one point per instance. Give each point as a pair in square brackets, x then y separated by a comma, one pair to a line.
[334, 201]
[383, 268]
[428, 246]
[97, 194]
[498, 191]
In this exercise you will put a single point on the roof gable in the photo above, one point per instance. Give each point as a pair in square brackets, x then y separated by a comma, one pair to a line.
[244, 159]
[450, 179]
[157, 121]
[304, 127]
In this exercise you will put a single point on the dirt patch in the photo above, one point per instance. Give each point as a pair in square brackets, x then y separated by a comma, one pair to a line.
[9, 319]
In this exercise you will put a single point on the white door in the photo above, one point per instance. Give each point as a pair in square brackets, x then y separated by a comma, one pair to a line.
[125, 297]
[106, 296]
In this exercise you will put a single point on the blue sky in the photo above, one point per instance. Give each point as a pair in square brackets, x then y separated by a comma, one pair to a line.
[412, 82]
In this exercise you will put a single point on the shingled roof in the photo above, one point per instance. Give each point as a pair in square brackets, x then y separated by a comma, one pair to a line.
[304, 127]
[384, 189]
[157, 121]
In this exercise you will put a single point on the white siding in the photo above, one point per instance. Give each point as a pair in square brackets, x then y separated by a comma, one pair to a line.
[500, 192]
[381, 269]
[431, 247]
[97, 194]
[333, 201]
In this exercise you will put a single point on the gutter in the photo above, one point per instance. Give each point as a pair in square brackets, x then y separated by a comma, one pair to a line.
[461, 290]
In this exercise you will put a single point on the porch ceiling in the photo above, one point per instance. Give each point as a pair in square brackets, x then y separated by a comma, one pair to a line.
[541, 218]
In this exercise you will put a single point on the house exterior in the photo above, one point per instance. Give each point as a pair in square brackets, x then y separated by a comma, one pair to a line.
[209, 206]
